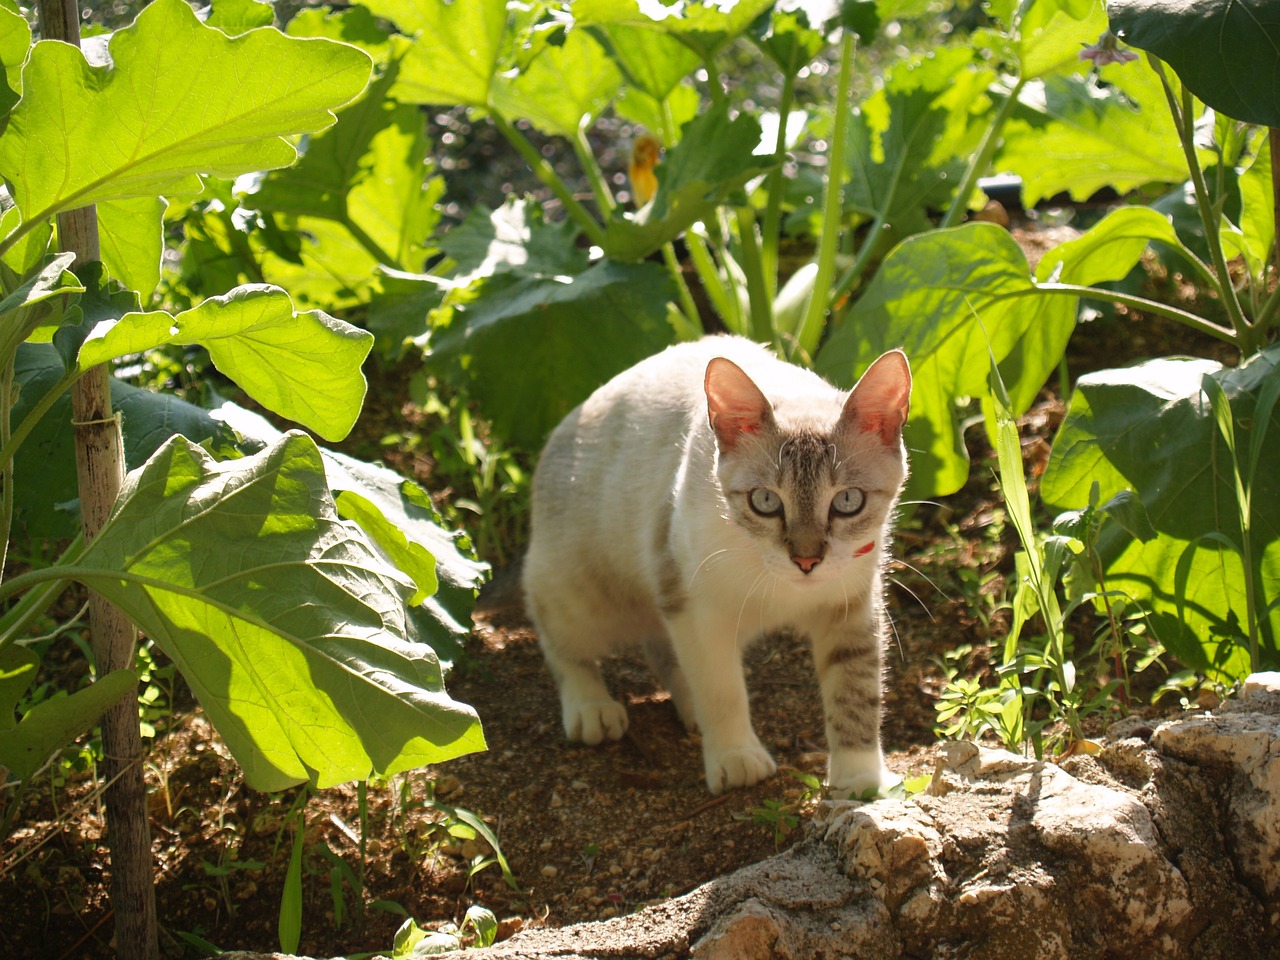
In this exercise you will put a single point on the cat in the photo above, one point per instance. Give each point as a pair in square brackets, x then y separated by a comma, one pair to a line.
[707, 496]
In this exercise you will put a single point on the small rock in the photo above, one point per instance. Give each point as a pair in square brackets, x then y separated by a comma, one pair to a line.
[550, 871]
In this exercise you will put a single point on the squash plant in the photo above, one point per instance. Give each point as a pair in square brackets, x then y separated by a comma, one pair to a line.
[301, 638]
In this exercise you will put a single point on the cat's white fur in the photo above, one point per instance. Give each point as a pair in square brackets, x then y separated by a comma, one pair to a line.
[641, 536]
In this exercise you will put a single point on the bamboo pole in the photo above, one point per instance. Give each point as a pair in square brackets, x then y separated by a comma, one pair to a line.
[100, 471]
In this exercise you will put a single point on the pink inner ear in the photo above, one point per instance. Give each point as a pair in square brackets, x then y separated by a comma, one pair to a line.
[735, 405]
[881, 400]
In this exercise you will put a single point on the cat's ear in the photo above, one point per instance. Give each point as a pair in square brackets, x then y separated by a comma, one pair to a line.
[882, 398]
[735, 405]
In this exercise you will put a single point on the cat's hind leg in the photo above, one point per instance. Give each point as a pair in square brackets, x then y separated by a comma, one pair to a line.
[574, 632]
[661, 658]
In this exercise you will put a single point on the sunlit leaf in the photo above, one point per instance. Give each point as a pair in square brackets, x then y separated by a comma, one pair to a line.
[179, 99]
[302, 365]
[564, 89]
[293, 634]
[455, 50]
[1191, 581]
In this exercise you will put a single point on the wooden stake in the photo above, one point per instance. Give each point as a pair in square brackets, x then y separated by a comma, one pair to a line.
[100, 470]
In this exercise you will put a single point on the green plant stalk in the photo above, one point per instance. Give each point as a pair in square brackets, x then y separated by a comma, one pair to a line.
[982, 157]
[870, 244]
[362, 810]
[810, 331]
[599, 186]
[1013, 485]
[1128, 300]
[289, 924]
[762, 328]
[722, 295]
[771, 228]
[691, 327]
[1221, 405]
[547, 174]
[40, 597]
[1245, 336]
[362, 237]
[6, 466]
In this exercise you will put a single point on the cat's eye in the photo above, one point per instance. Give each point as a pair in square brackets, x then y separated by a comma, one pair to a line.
[765, 502]
[849, 502]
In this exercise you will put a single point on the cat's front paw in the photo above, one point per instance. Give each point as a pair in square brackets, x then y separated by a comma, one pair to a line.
[593, 721]
[853, 774]
[738, 767]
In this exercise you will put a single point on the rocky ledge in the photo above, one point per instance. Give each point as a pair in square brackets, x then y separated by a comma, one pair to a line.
[1164, 844]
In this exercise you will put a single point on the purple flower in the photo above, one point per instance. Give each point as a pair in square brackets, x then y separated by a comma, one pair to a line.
[1106, 50]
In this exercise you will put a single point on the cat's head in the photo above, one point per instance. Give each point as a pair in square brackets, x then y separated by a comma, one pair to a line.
[816, 477]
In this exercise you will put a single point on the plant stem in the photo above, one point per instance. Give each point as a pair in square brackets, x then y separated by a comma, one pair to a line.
[362, 237]
[771, 227]
[547, 174]
[723, 295]
[6, 466]
[1245, 337]
[810, 331]
[688, 308]
[982, 157]
[762, 329]
[599, 186]
[1273, 140]
[1138, 303]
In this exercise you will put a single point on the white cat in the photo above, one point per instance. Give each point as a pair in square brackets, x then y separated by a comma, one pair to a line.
[707, 496]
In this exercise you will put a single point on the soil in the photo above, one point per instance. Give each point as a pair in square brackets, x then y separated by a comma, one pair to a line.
[588, 832]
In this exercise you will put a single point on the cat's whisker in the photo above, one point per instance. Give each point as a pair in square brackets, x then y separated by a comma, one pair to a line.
[922, 575]
[914, 596]
[897, 638]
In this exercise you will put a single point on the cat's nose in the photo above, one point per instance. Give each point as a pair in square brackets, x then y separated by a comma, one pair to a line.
[806, 563]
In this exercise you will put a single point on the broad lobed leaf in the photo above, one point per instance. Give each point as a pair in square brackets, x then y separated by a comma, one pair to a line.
[178, 100]
[295, 636]
[302, 365]
[1152, 429]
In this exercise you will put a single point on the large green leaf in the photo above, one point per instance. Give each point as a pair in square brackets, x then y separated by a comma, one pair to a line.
[293, 634]
[1052, 32]
[455, 51]
[513, 239]
[445, 616]
[910, 140]
[529, 350]
[1151, 429]
[179, 99]
[947, 297]
[713, 159]
[564, 89]
[650, 57]
[367, 174]
[304, 366]
[1075, 135]
[1226, 51]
